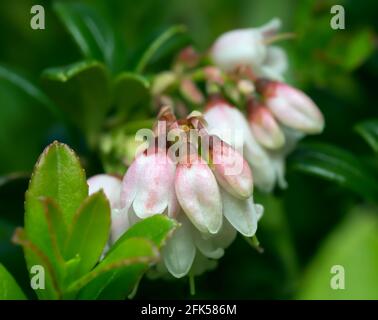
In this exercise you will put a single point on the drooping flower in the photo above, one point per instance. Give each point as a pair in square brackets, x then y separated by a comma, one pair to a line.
[291, 106]
[230, 125]
[207, 188]
[265, 127]
[250, 47]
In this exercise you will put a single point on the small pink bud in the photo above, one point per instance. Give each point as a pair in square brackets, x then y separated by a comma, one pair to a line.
[231, 169]
[291, 106]
[148, 184]
[229, 124]
[264, 126]
[198, 194]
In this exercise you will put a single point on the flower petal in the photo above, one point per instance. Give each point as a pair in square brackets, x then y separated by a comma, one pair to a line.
[198, 194]
[295, 109]
[229, 124]
[264, 126]
[110, 185]
[240, 213]
[231, 170]
[179, 251]
[213, 246]
[119, 223]
[276, 60]
[155, 186]
[239, 47]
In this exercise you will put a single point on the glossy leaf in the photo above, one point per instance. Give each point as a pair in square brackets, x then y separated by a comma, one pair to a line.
[35, 256]
[156, 229]
[369, 131]
[89, 232]
[9, 289]
[56, 225]
[116, 284]
[57, 175]
[352, 248]
[132, 257]
[337, 165]
[82, 90]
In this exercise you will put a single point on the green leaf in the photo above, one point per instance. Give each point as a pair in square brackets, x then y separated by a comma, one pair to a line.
[91, 32]
[82, 90]
[369, 131]
[132, 257]
[157, 229]
[35, 256]
[337, 165]
[57, 227]
[131, 92]
[116, 284]
[9, 289]
[353, 246]
[26, 115]
[90, 232]
[170, 40]
[57, 175]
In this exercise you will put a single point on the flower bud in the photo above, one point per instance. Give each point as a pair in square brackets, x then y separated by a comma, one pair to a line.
[229, 124]
[291, 106]
[264, 126]
[230, 169]
[198, 194]
[148, 184]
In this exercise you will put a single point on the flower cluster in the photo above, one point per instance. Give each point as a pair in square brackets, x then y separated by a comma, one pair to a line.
[206, 186]
[277, 115]
[198, 169]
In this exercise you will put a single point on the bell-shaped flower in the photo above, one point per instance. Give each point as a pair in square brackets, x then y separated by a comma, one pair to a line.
[264, 126]
[242, 214]
[250, 47]
[148, 184]
[230, 169]
[230, 125]
[291, 107]
[198, 194]
[208, 192]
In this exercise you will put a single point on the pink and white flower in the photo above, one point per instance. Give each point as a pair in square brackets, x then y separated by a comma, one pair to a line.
[229, 124]
[291, 107]
[249, 47]
[210, 204]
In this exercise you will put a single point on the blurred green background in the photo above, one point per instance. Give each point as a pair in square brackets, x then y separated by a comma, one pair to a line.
[309, 227]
